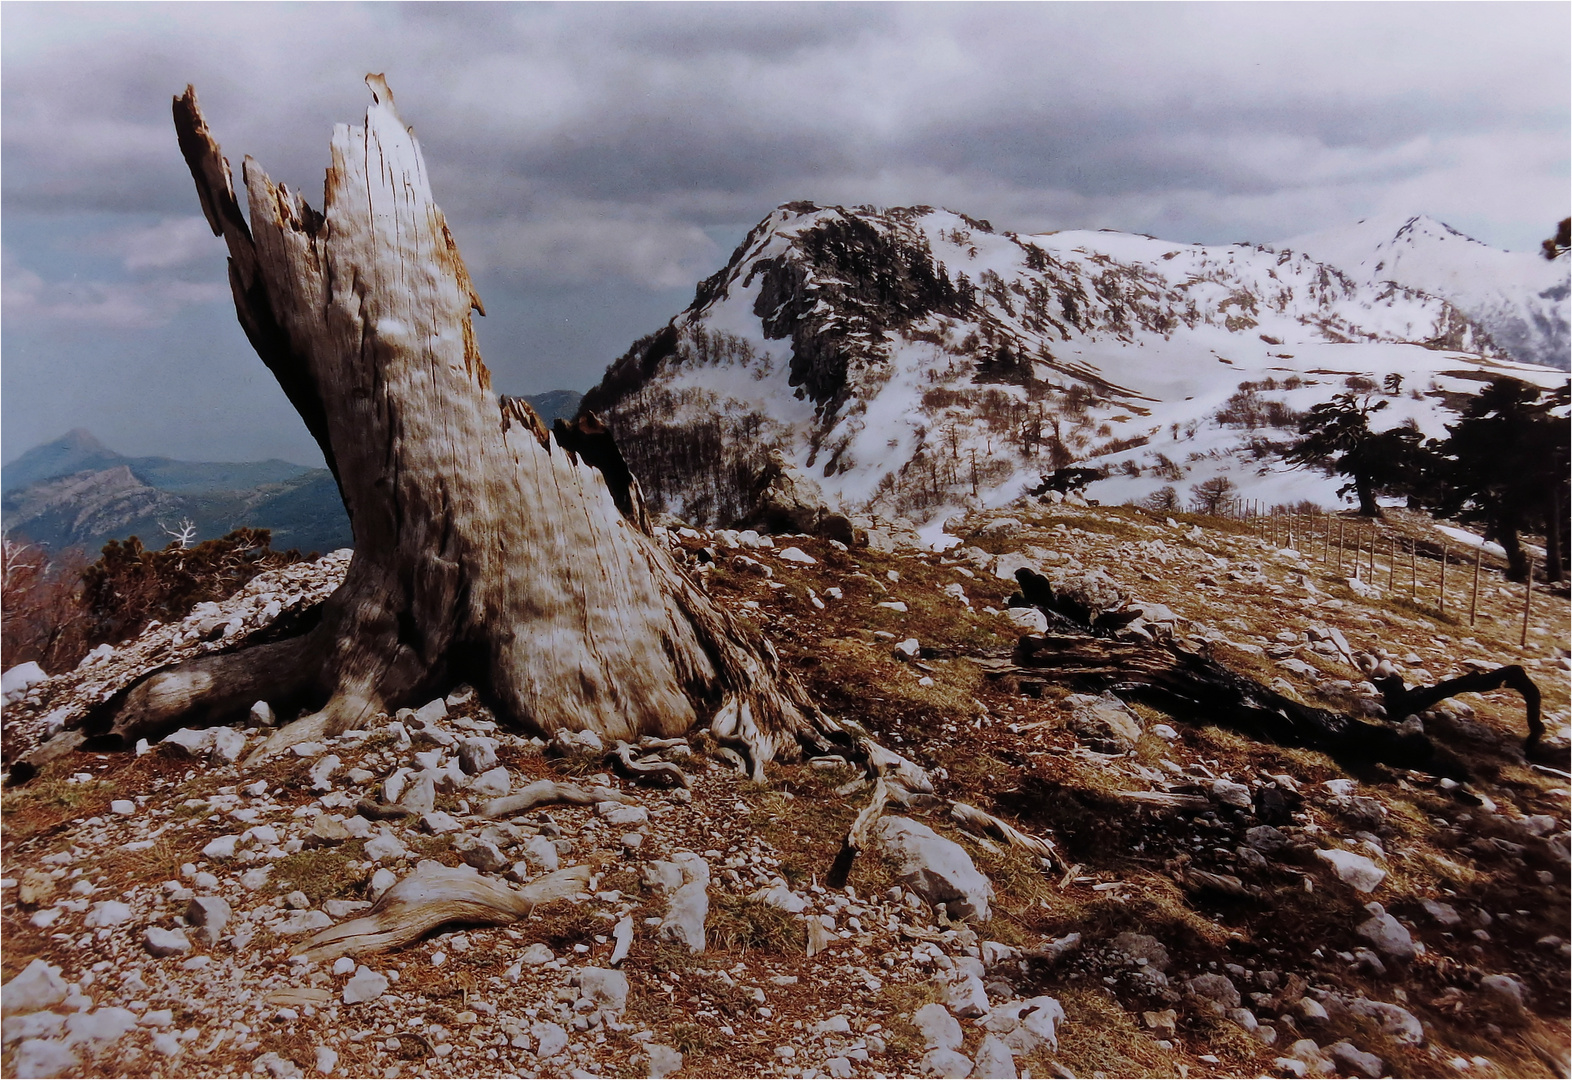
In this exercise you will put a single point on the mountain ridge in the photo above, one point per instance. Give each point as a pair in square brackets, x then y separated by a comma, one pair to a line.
[915, 361]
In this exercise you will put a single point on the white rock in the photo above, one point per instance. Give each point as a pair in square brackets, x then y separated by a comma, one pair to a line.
[161, 942]
[221, 848]
[796, 555]
[621, 816]
[438, 822]
[108, 913]
[99, 1028]
[16, 681]
[1395, 1020]
[951, 1063]
[37, 986]
[477, 755]
[1355, 870]
[383, 880]
[327, 1060]
[608, 989]
[779, 896]
[303, 922]
[537, 954]
[937, 869]
[1386, 933]
[43, 1058]
[550, 1039]
[908, 649]
[262, 714]
[542, 852]
[995, 1059]
[686, 913]
[664, 1060]
[228, 746]
[367, 985]
[967, 998]
[38, 1025]
[1231, 794]
[419, 794]
[893, 605]
[122, 806]
[622, 938]
[492, 783]
[432, 711]
[1028, 619]
[385, 845]
[191, 742]
[279, 1068]
[482, 854]
[939, 1030]
[344, 965]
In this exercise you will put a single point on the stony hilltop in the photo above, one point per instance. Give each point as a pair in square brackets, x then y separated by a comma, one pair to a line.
[1091, 888]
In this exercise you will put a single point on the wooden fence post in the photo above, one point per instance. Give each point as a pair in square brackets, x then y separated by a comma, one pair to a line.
[1473, 602]
[1528, 600]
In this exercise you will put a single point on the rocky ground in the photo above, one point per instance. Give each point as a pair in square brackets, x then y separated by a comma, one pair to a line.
[1180, 901]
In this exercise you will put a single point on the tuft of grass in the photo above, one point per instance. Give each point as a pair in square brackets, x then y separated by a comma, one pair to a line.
[322, 873]
[739, 924]
[1098, 1038]
[562, 924]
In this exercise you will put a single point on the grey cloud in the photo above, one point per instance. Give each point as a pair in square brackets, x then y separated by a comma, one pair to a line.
[597, 159]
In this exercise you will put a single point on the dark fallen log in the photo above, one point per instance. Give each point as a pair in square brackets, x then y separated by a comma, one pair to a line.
[1197, 690]
[1402, 701]
[1087, 655]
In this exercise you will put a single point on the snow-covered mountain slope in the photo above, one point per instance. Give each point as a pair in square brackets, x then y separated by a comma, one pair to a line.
[1519, 298]
[915, 360]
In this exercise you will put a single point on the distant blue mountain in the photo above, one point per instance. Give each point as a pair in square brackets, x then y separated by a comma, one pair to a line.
[76, 492]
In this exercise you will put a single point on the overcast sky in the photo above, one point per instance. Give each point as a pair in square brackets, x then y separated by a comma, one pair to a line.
[595, 161]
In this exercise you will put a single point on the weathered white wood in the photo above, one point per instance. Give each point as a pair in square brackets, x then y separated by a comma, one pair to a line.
[544, 792]
[433, 894]
[481, 544]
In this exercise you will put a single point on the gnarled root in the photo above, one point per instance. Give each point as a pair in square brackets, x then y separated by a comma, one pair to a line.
[433, 895]
[542, 792]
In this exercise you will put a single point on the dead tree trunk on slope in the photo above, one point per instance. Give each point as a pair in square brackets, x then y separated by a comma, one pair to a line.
[484, 549]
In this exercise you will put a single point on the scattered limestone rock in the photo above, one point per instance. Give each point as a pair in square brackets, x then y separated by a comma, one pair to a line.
[951, 1063]
[1103, 722]
[608, 989]
[995, 1059]
[1027, 1026]
[1355, 1060]
[1506, 990]
[663, 1061]
[1217, 992]
[937, 869]
[689, 906]
[161, 942]
[37, 986]
[44, 1058]
[366, 985]
[271, 1064]
[108, 913]
[1355, 870]
[1386, 933]
[1402, 1025]
[939, 1030]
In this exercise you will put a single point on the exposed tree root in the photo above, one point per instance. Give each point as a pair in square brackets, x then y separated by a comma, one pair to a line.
[432, 895]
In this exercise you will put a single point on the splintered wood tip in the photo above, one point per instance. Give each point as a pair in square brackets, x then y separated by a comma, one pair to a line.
[380, 92]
